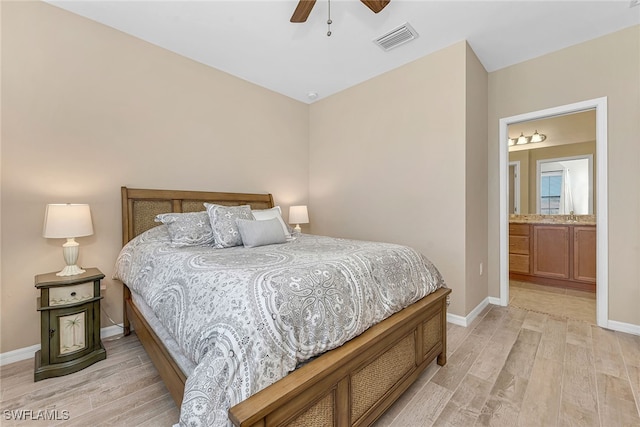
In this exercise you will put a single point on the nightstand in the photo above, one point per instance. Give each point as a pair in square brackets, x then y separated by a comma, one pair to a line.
[69, 309]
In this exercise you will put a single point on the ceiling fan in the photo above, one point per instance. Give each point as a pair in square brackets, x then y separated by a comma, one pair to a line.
[304, 8]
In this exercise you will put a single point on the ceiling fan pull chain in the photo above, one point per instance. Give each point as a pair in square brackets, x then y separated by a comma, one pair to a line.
[329, 21]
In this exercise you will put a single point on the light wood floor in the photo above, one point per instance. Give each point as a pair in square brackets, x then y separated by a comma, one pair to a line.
[558, 302]
[510, 367]
[519, 367]
[124, 389]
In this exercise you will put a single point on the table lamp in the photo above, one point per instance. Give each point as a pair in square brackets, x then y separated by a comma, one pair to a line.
[68, 221]
[298, 215]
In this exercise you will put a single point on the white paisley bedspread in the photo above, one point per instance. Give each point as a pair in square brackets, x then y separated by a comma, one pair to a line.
[248, 316]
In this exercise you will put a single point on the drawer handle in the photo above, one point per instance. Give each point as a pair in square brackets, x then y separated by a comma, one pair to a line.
[73, 294]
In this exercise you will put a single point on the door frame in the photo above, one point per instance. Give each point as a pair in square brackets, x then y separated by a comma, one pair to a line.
[602, 221]
[516, 186]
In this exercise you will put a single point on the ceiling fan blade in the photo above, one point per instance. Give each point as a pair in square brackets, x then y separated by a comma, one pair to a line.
[376, 5]
[302, 10]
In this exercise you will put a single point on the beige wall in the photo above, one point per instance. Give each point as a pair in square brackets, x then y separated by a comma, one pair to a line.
[388, 162]
[87, 109]
[476, 182]
[608, 66]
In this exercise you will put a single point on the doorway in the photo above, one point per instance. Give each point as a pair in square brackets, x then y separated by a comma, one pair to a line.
[600, 106]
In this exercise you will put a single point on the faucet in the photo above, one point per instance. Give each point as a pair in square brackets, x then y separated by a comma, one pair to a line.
[572, 217]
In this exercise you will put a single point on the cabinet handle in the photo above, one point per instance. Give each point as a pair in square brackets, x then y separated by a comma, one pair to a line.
[51, 333]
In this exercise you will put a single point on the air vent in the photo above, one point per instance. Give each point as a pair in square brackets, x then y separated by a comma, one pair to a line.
[394, 38]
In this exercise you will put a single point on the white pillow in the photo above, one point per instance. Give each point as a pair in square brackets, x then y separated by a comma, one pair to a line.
[275, 212]
[260, 232]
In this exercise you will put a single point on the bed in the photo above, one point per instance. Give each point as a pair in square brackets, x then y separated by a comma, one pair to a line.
[352, 384]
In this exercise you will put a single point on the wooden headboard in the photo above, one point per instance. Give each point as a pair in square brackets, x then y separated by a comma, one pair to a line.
[140, 206]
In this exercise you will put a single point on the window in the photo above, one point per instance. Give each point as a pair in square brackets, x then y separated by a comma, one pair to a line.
[550, 192]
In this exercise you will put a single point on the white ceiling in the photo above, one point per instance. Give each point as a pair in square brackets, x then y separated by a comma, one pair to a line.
[255, 41]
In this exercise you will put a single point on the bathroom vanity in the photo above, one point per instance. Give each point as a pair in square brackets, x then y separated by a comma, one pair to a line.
[553, 250]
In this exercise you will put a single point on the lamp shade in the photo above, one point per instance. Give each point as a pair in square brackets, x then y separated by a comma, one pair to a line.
[538, 137]
[67, 220]
[522, 139]
[298, 215]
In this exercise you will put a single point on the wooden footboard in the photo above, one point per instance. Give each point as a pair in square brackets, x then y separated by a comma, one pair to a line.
[349, 386]
[354, 384]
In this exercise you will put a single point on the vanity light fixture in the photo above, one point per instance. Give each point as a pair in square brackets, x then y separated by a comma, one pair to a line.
[522, 139]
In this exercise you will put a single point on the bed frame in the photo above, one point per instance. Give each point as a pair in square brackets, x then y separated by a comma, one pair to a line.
[352, 385]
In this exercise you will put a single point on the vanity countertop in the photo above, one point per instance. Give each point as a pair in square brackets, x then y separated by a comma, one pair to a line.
[553, 219]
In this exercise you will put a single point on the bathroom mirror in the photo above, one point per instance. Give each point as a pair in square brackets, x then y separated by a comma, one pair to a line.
[556, 175]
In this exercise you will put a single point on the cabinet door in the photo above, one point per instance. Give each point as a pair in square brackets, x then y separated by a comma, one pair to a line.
[551, 251]
[70, 334]
[584, 254]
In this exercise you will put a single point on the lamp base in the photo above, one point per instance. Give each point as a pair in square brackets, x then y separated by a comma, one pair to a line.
[70, 251]
[297, 228]
[70, 270]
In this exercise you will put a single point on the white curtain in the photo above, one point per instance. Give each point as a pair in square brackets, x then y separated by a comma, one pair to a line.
[568, 197]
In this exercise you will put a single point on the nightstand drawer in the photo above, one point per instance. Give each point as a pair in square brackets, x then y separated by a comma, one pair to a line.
[64, 295]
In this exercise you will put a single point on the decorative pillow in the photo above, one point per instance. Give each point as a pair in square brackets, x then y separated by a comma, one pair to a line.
[188, 229]
[223, 223]
[274, 212]
[260, 232]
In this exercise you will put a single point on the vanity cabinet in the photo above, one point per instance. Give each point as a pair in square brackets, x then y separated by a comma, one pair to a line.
[551, 251]
[584, 254]
[519, 248]
[562, 255]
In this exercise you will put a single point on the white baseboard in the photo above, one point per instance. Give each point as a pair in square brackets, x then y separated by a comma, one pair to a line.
[18, 355]
[28, 352]
[457, 320]
[628, 328]
[494, 300]
[466, 321]
[110, 331]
